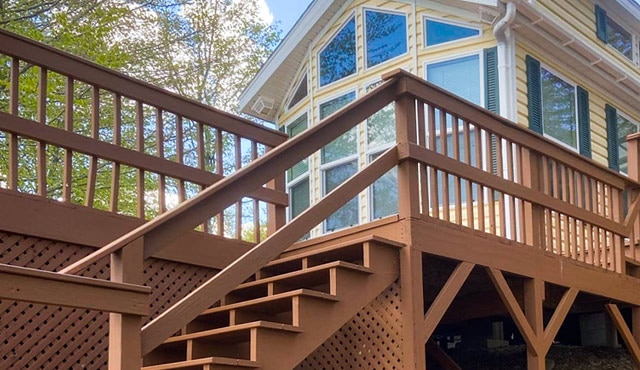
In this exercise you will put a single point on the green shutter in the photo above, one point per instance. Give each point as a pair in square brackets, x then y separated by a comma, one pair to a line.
[584, 122]
[601, 24]
[492, 101]
[534, 94]
[612, 136]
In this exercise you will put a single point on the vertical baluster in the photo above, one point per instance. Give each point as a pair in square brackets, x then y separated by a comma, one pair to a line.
[590, 259]
[42, 146]
[182, 194]
[519, 203]
[574, 239]
[558, 247]
[582, 240]
[618, 240]
[433, 175]
[501, 206]
[579, 190]
[201, 163]
[162, 180]
[13, 109]
[512, 202]
[140, 148]
[571, 184]
[238, 165]
[480, 165]
[490, 192]
[220, 170]
[68, 154]
[455, 149]
[117, 140]
[422, 137]
[95, 129]
[256, 203]
[466, 132]
[567, 236]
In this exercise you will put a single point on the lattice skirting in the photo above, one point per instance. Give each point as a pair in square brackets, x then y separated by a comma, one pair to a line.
[34, 336]
[372, 339]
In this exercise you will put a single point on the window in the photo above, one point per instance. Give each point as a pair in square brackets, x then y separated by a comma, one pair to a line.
[300, 92]
[339, 161]
[612, 33]
[381, 134]
[298, 175]
[558, 109]
[385, 35]
[338, 59]
[618, 127]
[440, 31]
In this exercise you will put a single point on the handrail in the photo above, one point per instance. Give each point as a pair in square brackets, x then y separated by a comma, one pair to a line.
[160, 231]
[437, 96]
[92, 73]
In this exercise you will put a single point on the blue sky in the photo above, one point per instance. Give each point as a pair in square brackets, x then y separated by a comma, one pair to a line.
[287, 12]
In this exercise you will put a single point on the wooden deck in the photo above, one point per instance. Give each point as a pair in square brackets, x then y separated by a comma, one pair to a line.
[141, 211]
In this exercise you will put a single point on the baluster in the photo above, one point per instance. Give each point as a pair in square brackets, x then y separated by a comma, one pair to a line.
[256, 203]
[117, 140]
[220, 170]
[466, 132]
[238, 165]
[42, 146]
[182, 194]
[480, 164]
[201, 164]
[140, 148]
[95, 129]
[433, 174]
[68, 154]
[422, 137]
[13, 109]
[162, 180]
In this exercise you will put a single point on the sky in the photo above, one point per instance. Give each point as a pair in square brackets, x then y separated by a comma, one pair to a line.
[286, 12]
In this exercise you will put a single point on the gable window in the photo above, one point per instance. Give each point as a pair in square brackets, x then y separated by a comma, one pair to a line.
[385, 36]
[381, 134]
[558, 109]
[338, 58]
[440, 31]
[300, 92]
[339, 161]
[612, 33]
[298, 175]
[618, 127]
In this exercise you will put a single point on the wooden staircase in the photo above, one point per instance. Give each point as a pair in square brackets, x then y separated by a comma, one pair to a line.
[285, 310]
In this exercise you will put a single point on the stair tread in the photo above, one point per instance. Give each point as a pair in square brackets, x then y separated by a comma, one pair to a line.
[206, 361]
[302, 250]
[631, 261]
[288, 275]
[235, 328]
[271, 298]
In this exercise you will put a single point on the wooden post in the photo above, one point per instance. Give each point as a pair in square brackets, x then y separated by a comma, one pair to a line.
[533, 297]
[408, 182]
[533, 214]
[276, 215]
[633, 161]
[635, 328]
[125, 347]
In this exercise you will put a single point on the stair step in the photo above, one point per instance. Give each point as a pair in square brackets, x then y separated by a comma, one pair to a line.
[316, 278]
[218, 363]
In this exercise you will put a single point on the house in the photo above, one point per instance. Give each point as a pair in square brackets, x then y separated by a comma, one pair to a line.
[496, 204]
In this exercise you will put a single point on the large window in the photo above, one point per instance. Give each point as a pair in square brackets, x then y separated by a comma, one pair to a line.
[298, 175]
[559, 116]
[381, 134]
[614, 34]
[439, 32]
[618, 127]
[338, 59]
[299, 93]
[339, 161]
[385, 36]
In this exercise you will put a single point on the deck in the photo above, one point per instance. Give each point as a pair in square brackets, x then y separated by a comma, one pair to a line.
[118, 193]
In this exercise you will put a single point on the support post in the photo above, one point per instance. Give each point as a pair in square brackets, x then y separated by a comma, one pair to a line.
[627, 336]
[635, 328]
[412, 309]
[408, 181]
[533, 214]
[533, 297]
[125, 347]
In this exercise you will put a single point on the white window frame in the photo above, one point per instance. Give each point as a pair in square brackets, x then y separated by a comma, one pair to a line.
[299, 179]
[451, 22]
[635, 40]
[364, 34]
[635, 122]
[293, 91]
[351, 16]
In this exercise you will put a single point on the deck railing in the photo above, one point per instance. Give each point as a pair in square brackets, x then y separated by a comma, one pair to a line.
[458, 165]
[75, 132]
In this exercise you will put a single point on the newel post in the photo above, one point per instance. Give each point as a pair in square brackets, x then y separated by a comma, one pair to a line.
[633, 160]
[532, 177]
[414, 356]
[276, 214]
[125, 347]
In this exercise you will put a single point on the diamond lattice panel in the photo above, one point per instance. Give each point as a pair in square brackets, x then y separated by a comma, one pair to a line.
[34, 336]
[372, 339]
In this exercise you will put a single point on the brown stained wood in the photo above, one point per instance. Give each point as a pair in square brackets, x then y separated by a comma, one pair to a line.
[412, 299]
[93, 164]
[67, 170]
[42, 146]
[14, 102]
[118, 83]
[37, 286]
[119, 155]
[560, 313]
[635, 326]
[200, 299]
[534, 296]
[440, 356]
[140, 185]
[117, 138]
[408, 180]
[625, 332]
[238, 165]
[446, 295]
[182, 196]
[162, 186]
[519, 318]
[504, 186]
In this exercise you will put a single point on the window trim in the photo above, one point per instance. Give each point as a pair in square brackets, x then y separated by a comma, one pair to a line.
[364, 34]
[450, 22]
[633, 121]
[302, 177]
[350, 16]
[288, 107]
[633, 31]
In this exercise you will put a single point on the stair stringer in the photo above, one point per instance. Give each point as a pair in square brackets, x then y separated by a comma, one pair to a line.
[277, 351]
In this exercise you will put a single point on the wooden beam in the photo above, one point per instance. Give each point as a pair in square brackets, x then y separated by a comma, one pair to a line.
[625, 332]
[37, 286]
[514, 309]
[463, 244]
[442, 358]
[48, 219]
[185, 310]
[447, 294]
[533, 298]
[413, 351]
[558, 317]
[116, 82]
[96, 148]
[635, 327]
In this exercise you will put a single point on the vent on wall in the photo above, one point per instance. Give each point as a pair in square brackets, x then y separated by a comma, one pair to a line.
[262, 105]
